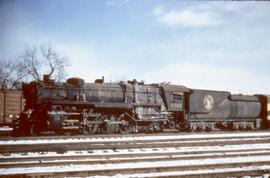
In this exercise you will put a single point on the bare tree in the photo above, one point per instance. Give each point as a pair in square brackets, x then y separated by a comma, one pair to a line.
[44, 59]
[55, 62]
[11, 74]
[31, 65]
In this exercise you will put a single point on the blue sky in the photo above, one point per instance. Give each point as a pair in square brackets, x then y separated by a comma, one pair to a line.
[199, 44]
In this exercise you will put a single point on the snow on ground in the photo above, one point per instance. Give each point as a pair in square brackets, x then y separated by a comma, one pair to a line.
[164, 142]
[141, 165]
[191, 172]
[133, 138]
[105, 152]
[5, 129]
[134, 158]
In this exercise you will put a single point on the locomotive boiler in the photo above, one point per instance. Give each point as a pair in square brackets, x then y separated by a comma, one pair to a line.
[131, 107]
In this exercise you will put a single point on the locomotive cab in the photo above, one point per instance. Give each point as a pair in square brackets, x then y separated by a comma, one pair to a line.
[265, 110]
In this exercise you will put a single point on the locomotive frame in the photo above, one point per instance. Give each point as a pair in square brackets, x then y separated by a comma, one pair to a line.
[132, 107]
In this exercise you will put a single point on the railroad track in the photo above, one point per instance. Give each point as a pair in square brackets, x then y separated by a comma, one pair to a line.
[62, 144]
[170, 155]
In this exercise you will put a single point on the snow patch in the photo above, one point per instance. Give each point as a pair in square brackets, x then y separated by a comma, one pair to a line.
[133, 138]
[138, 165]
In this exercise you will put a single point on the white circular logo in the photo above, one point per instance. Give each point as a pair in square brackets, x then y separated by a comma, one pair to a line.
[208, 102]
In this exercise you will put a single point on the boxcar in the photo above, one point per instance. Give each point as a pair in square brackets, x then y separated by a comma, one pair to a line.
[11, 104]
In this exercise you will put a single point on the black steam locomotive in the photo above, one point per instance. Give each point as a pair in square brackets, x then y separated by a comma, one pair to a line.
[132, 107]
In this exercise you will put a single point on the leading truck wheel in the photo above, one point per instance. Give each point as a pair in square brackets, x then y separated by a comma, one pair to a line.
[34, 129]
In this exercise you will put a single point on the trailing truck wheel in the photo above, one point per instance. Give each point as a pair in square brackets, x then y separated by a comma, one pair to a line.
[155, 127]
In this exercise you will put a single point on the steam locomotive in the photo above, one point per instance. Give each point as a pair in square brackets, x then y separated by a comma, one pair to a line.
[132, 107]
